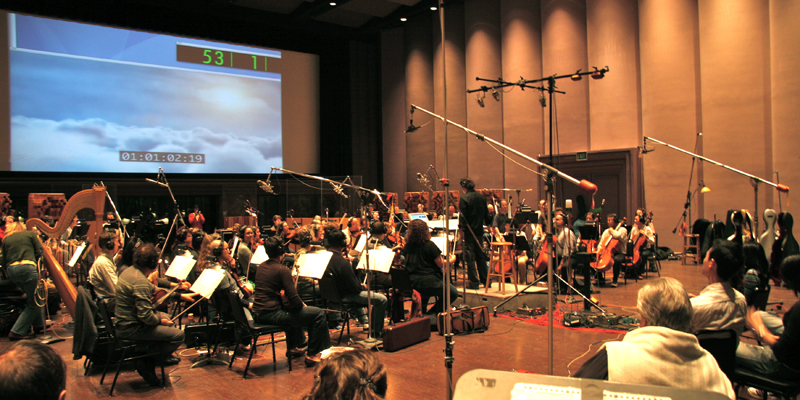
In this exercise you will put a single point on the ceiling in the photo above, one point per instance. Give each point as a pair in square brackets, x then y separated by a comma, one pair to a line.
[357, 14]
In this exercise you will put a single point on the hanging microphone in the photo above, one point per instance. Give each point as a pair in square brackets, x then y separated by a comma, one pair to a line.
[422, 179]
[338, 190]
[411, 127]
[542, 100]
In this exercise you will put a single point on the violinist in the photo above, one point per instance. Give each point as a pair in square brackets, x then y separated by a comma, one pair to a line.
[379, 240]
[135, 317]
[352, 232]
[643, 239]
[306, 287]
[565, 245]
[220, 260]
[103, 274]
[616, 232]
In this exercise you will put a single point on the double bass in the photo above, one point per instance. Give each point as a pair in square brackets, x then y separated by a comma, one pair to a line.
[605, 259]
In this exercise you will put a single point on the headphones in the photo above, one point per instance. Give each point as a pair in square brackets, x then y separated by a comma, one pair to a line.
[378, 228]
[217, 252]
[182, 235]
[463, 182]
[112, 241]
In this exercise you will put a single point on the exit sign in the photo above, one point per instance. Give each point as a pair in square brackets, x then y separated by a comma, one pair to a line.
[580, 156]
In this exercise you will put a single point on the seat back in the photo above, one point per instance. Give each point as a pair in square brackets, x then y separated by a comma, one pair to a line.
[237, 309]
[400, 279]
[102, 307]
[722, 345]
[759, 298]
[328, 290]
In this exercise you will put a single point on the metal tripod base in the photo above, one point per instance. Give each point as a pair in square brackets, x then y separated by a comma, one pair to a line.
[217, 359]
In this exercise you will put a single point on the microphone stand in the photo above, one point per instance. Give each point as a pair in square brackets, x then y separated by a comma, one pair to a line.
[754, 180]
[162, 176]
[584, 185]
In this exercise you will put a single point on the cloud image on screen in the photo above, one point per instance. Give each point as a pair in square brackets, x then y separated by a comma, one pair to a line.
[77, 115]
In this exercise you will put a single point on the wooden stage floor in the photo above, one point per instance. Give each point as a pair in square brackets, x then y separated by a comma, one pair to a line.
[416, 372]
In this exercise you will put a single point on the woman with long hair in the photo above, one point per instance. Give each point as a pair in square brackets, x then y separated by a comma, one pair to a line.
[356, 374]
[424, 263]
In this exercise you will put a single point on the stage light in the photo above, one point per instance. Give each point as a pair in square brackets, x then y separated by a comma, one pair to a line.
[333, 4]
[705, 189]
[434, 8]
[404, 19]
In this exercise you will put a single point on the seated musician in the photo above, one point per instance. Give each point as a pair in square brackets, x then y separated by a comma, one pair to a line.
[316, 229]
[350, 289]
[276, 223]
[566, 244]
[621, 235]
[499, 221]
[273, 278]
[135, 317]
[423, 260]
[103, 274]
[216, 255]
[352, 234]
[306, 287]
[245, 251]
[648, 239]
[520, 254]
[640, 212]
[379, 240]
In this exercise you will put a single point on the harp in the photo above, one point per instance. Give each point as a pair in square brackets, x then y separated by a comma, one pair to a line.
[94, 198]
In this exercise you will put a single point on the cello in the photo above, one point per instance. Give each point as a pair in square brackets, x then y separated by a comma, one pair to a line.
[605, 259]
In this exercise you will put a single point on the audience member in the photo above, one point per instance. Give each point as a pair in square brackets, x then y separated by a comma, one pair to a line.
[662, 352]
[32, 371]
[719, 306]
[356, 374]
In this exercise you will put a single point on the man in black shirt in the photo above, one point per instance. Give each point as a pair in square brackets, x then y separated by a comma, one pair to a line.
[350, 289]
[474, 214]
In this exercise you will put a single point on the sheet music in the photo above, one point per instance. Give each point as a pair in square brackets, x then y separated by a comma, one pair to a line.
[235, 246]
[362, 242]
[379, 260]
[77, 254]
[180, 267]
[313, 265]
[259, 256]
[440, 241]
[439, 223]
[207, 282]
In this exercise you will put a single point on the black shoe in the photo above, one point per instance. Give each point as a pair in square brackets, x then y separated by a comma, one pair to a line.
[473, 285]
[310, 362]
[147, 370]
[171, 360]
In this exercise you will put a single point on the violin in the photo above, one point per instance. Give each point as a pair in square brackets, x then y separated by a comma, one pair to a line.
[241, 283]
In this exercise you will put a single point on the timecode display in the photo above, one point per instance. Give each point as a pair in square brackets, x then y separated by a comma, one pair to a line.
[162, 157]
[221, 58]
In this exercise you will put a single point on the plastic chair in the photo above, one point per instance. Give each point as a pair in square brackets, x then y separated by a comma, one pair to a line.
[253, 330]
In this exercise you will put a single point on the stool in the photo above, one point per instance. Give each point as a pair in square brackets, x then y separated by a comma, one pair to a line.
[500, 255]
[688, 245]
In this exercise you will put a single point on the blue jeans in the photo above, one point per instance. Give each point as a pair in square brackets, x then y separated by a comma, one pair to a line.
[311, 318]
[26, 277]
[761, 359]
[379, 302]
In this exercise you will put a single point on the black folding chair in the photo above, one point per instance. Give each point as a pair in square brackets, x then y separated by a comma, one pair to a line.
[124, 346]
[333, 302]
[246, 326]
[722, 345]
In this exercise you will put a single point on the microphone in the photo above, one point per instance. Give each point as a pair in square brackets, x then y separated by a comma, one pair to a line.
[338, 189]
[266, 186]
[422, 179]
[156, 182]
[411, 127]
[542, 100]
